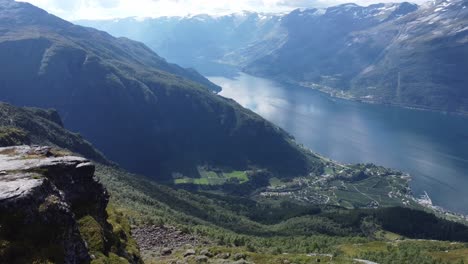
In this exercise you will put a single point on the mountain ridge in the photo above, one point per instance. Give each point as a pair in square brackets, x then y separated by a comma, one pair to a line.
[117, 94]
[350, 51]
[214, 222]
[408, 60]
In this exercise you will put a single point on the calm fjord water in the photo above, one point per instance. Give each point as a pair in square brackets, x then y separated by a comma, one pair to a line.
[432, 147]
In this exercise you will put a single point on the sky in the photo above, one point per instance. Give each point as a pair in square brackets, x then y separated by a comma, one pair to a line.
[106, 9]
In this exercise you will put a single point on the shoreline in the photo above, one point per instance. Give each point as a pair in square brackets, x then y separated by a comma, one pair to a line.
[439, 209]
[423, 200]
[333, 93]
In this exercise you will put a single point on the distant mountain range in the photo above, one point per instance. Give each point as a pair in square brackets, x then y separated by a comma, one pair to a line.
[148, 115]
[403, 54]
[194, 40]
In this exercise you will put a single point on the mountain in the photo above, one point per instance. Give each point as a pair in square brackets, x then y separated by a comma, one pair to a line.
[32, 22]
[126, 99]
[52, 209]
[393, 53]
[318, 41]
[194, 41]
[26, 126]
[425, 64]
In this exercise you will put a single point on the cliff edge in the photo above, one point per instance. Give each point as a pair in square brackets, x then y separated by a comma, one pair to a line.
[53, 210]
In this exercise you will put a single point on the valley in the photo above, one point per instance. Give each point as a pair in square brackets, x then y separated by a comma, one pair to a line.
[112, 154]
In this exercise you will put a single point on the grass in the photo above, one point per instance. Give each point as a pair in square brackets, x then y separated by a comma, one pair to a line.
[274, 257]
[452, 256]
[443, 252]
[239, 175]
[12, 136]
[92, 233]
[329, 171]
[388, 236]
[274, 182]
[353, 250]
[106, 245]
[214, 178]
[122, 230]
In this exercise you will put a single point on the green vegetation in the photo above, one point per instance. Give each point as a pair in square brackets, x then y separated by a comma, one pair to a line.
[425, 252]
[241, 176]
[214, 178]
[26, 126]
[93, 234]
[350, 186]
[243, 225]
[168, 119]
[109, 242]
[121, 230]
[10, 136]
[234, 215]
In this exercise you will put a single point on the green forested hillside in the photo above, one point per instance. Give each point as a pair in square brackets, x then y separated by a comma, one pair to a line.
[150, 116]
[261, 229]
[25, 126]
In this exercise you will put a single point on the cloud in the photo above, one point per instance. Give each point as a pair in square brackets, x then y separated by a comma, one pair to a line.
[105, 9]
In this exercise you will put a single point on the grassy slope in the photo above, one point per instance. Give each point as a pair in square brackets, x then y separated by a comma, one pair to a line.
[227, 222]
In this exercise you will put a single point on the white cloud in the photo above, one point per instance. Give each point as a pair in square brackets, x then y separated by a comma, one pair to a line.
[102, 9]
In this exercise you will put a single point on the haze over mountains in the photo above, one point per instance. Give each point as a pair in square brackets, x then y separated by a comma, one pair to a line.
[400, 54]
[194, 40]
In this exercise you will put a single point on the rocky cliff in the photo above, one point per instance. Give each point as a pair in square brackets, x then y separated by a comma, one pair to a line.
[52, 210]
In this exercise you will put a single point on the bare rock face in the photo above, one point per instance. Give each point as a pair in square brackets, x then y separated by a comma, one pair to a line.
[41, 196]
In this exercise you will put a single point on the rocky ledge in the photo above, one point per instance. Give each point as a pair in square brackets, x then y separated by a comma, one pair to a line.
[43, 196]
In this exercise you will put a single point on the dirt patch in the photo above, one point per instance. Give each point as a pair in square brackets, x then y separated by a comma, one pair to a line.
[153, 239]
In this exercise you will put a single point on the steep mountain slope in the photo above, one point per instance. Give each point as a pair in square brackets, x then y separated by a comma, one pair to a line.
[400, 54]
[25, 126]
[119, 95]
[317, 44]
[31, 25]
[394, 53]
[426, 62]
[258, 229]
[197, 40]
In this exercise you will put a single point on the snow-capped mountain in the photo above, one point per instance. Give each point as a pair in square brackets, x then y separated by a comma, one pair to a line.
[388, 53]
[398, 53]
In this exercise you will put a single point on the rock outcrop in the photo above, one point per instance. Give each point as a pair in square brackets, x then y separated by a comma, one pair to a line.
[43, 199]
